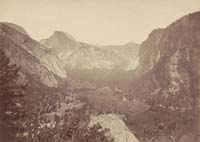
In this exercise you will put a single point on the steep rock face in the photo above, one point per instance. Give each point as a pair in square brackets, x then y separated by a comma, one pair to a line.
[77, 55]
[118, 130]
[170, 70]
[169, 76]
[149, 53]
[28, 54]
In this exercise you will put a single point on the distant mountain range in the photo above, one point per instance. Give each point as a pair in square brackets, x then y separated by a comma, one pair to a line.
[51, 58]
[167, 54]
[73, 54]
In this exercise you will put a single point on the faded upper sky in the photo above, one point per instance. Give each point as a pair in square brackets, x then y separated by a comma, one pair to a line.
[95, 21]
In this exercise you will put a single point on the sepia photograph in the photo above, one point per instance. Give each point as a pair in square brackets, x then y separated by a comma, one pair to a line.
[99, 70]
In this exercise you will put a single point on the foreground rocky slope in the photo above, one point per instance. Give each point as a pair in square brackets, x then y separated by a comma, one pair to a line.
[118, 130]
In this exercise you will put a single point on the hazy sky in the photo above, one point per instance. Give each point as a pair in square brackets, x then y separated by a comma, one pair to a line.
[95, 21]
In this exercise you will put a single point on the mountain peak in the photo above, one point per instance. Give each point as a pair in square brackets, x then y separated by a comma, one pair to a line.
[131, 45]
[16, 27]
[61, 34]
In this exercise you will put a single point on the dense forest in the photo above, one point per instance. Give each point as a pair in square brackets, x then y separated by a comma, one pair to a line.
[22, 113]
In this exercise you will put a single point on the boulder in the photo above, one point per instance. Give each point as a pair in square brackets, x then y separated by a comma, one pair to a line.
[118, 130]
